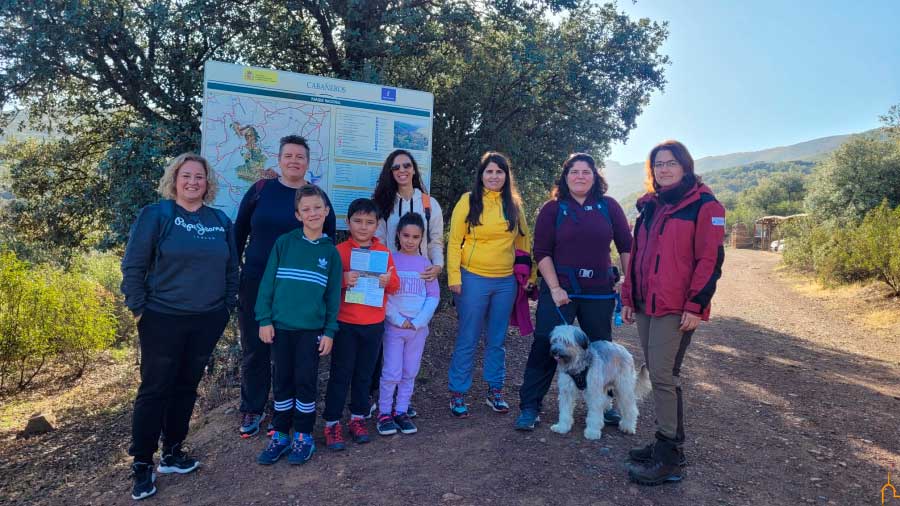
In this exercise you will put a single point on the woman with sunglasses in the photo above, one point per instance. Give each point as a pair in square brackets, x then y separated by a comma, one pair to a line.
[399, 191]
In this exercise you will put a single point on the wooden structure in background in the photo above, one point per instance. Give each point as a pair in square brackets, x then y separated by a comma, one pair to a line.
[740, 237]
[766, 230]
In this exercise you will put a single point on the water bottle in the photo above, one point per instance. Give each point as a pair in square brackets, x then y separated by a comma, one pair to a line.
[618, 311]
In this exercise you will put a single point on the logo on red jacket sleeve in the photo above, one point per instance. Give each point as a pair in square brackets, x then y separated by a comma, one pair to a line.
[718, 221]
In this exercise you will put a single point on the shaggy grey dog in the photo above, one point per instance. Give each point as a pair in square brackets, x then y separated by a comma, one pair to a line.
[594, 369]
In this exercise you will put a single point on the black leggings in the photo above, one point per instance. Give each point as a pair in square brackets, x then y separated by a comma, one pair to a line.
[594, 317]
[174, 352]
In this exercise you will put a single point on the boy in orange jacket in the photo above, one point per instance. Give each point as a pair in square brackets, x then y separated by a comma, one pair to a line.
[360, 330]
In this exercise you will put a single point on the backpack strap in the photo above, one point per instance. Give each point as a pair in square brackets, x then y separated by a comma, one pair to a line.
[426, 205]
[562, 211]
[257, 192]
[166, 217]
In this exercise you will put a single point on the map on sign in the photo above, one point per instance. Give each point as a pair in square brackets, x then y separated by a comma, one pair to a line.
[350, 127]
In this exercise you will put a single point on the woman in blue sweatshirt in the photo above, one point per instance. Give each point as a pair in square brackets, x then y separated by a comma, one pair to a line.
[180, 279]
[265, 214]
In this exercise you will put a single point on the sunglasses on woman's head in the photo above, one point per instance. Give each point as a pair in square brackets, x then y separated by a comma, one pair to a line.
[405, 165]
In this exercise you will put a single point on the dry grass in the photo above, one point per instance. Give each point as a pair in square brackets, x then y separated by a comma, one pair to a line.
[105, 385]
[867, 304]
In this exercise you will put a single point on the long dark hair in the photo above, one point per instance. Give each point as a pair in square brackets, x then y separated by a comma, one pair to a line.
[386, 188]
[598, 189]
[409, 219]
[512, 201]
[680, 153]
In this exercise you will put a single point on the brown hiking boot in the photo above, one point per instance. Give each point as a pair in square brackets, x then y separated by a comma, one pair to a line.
[644, 455]
[662, 468]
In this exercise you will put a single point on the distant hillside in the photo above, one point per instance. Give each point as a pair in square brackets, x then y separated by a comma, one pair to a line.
[626, 179]
[728, 183]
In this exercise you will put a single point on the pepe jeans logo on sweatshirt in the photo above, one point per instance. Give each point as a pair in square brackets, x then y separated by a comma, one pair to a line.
[323, 263]
[198, 228]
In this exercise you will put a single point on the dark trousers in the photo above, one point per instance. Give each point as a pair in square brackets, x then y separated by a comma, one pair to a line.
[256, 366]
[594, 317]
[296, 356]
[174, 352]
[353, 359]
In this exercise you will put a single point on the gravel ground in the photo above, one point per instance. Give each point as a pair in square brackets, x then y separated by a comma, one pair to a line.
[788, 402]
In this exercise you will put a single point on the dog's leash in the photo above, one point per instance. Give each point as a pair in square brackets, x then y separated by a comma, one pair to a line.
[561, 317]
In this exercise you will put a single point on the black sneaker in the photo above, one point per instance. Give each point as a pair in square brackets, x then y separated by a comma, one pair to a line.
[175, 461]
[611, 417]
[411, 412]
[405, 425]
[386, 426]
[250, 425]
[144, 478]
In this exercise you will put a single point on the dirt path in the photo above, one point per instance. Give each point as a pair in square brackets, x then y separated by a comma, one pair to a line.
[787, 404]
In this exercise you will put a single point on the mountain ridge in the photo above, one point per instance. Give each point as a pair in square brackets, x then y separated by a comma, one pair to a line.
[626, 179]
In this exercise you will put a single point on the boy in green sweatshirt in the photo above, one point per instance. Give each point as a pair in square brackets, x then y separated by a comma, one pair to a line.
[297, 307]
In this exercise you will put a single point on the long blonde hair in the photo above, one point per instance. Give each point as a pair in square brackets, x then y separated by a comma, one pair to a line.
[167, 181]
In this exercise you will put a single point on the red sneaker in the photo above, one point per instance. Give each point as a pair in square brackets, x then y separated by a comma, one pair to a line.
[334, 437]
[359, 431]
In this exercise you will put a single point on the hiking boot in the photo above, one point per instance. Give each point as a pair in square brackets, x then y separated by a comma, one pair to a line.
[302, 450]
[175, 461]
[662, 468]
[278, 446]
[386, 425]
[405, 424]
[144, 478]
[334, 437]
[528, 419]
[411, 412]
[358, 430]
[495, 400]
[458, 406]
[250, 425]
[611, 417]
[644, 455]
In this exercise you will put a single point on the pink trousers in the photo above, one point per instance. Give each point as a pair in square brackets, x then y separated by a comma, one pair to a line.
[402, 358]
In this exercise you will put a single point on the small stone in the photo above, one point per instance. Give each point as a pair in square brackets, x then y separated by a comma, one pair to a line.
[96, 494]
[543, 440]
[229, 411]
[449, 496]
[814, 480]
[604, 451]
[39, 423]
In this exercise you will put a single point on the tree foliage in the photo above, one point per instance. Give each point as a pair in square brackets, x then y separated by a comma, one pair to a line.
[121, 83]
[47, 314]
[856, 178]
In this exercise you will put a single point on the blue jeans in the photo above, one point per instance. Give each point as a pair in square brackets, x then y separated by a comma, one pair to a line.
[484, 302]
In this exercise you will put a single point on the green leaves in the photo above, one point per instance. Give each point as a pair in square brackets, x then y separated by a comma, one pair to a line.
[122, 81]
[47, 314]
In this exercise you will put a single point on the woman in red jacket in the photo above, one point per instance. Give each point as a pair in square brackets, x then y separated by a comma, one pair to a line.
[676, 260]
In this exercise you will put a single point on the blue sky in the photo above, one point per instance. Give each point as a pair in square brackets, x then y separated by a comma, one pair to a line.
[763, 73]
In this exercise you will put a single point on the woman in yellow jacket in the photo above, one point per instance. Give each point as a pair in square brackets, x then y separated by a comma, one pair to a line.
[486, 228]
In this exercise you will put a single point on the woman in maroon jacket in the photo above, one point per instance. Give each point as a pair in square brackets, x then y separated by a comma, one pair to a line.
[676, 260]
[572, 239]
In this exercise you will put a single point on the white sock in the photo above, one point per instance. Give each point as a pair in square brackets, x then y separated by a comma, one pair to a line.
[331, 424]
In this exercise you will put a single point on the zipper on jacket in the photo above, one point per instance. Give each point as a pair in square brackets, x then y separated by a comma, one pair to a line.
[653, 304]
[656, 267]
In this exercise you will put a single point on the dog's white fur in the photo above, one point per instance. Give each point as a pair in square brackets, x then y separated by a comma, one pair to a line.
[610, 367]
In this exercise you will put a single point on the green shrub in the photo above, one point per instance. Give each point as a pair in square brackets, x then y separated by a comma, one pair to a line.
[105, 269]
[878, 245]
[827, 251]
[48, 314]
